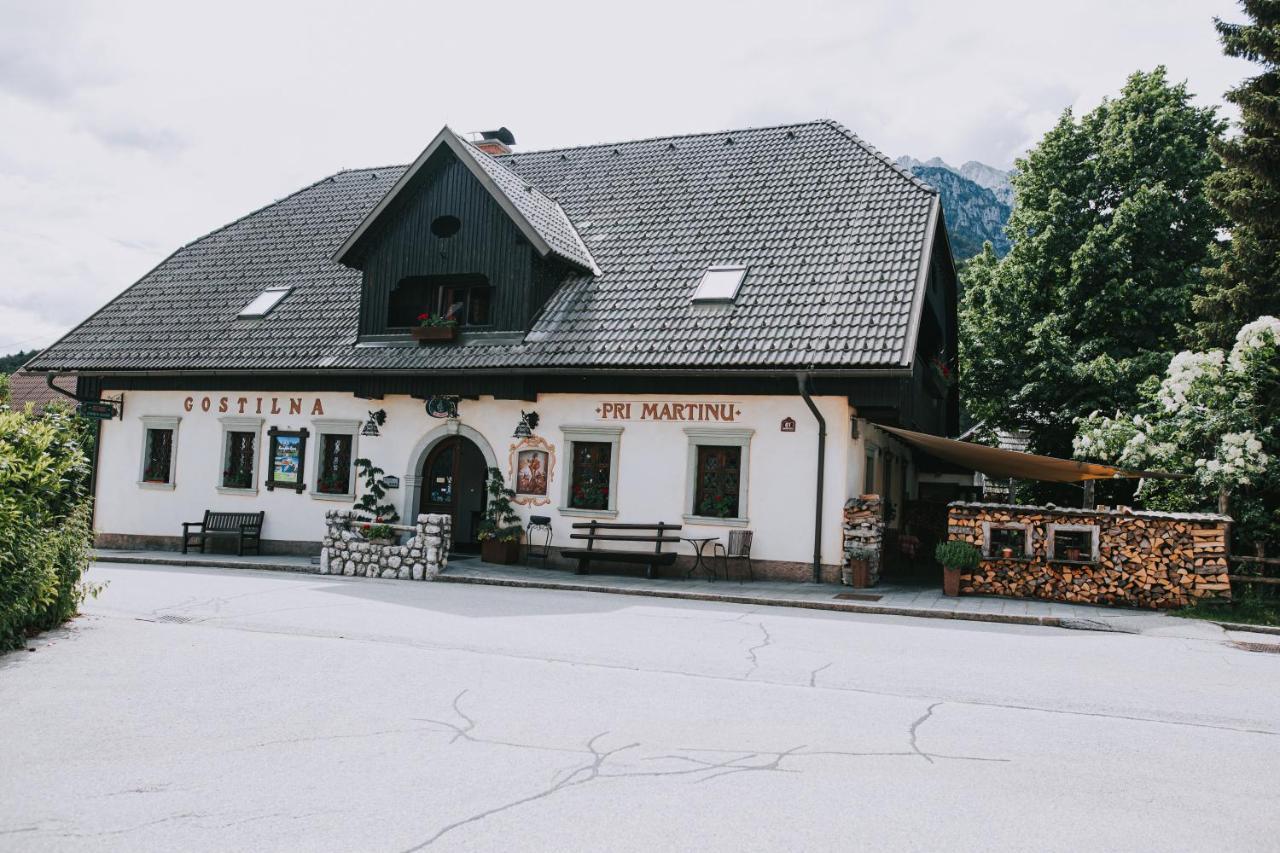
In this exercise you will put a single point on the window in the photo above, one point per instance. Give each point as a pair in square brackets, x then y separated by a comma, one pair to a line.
[159, 451]
[869, 474]
[159, 467]
[335, 458]
[239, 454]
[1074, 543]
[717, 475]
[591, 486]
[241, 451]
[591, 463]
[463, 298]
[720, 284]
[1013, 538]
[264, 302]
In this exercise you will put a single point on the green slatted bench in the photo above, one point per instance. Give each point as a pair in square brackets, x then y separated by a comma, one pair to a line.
[245, 526]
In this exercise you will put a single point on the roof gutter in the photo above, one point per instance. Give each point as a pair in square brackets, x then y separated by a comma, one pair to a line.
[802, 380]
[453, 373]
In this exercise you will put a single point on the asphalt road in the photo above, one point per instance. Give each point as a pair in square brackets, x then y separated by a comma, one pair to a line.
[236, 710]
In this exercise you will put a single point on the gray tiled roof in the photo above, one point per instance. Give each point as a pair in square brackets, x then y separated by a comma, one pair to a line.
[833, 233]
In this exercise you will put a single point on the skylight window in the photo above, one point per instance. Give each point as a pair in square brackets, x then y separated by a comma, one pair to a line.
[263, 303]
[720, 283]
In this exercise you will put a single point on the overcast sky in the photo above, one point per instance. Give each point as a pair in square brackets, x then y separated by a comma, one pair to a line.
[130, 128]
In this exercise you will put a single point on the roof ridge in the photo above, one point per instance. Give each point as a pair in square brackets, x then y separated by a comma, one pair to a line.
[877, 153]
[664, 138]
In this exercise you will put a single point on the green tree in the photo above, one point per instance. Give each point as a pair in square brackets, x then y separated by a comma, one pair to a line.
[1244, 281]
[1108, 236]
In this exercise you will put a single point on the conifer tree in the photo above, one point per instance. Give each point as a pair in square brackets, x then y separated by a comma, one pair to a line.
[1244, 282]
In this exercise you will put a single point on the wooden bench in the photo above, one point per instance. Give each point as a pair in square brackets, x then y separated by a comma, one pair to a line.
[245, 526]
[640, 533]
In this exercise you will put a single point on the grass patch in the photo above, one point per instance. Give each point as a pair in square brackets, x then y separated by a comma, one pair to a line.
[1249, 607]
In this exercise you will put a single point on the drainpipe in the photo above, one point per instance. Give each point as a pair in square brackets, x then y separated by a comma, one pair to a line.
[803, 381]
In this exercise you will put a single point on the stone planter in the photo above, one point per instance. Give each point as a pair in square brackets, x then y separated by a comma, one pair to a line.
[346, 552]
[434, 334]
[502, 553]
[950, 581]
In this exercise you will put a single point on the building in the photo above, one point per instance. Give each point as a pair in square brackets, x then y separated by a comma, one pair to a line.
[684, 316]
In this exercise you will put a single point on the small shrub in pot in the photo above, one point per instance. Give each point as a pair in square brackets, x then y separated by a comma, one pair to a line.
[956, 558]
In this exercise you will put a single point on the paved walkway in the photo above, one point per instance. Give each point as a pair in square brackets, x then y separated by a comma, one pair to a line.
[901, 601]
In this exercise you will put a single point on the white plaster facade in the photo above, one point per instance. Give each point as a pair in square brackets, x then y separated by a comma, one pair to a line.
[652, 467]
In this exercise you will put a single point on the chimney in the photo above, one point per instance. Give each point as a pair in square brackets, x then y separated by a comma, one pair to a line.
[494, 142]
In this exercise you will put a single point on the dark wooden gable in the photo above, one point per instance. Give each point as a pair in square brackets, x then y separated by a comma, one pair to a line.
[488, 243]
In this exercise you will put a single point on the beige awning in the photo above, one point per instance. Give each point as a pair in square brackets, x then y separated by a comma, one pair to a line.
[1012, 464]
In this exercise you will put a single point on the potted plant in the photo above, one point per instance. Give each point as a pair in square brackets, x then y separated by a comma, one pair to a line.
[858, 571]
[435, 327]
[956, 557]
[499, 532]
[1006, 552]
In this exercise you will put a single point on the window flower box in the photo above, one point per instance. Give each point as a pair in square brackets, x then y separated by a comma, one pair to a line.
[434, 334]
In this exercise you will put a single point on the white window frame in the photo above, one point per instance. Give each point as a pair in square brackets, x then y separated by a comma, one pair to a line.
[719, 437]
[150, 422]
[611, 435]
[239, 424]
[1051, 552]
[988, 526]
[334, 426]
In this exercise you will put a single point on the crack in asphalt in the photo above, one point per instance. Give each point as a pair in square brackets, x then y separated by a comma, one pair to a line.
[914, 731]
[703, 769]
[813, 675]
[751, 652]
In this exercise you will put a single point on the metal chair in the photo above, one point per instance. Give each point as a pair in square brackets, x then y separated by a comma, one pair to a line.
[739, 548]
[540, 524]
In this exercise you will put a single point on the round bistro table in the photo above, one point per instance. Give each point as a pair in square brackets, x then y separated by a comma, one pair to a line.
[699, 544]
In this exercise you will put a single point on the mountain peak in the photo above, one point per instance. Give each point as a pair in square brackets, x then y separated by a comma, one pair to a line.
[976, 201]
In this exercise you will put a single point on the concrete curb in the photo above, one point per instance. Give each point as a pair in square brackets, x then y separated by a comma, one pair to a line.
[841, 606]
[229, 562]
[1245, 626]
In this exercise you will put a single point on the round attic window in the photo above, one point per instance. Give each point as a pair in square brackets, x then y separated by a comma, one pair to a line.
[445, 226]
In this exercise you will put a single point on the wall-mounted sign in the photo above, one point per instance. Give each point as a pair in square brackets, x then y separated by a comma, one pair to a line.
[532, 461]
[97, 410]
[390, 482]
[442, 407]
[286, 457]
[788, 425]
[667, 411]
[253, 405]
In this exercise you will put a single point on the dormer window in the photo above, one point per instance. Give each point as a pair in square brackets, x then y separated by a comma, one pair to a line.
[263, 303]
[462, 298]
[720, 283]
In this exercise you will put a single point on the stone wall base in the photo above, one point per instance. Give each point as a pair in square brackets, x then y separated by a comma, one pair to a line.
[216, 545]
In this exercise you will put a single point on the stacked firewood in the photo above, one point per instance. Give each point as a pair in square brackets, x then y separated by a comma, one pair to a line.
[864, 526]
[1144, 559]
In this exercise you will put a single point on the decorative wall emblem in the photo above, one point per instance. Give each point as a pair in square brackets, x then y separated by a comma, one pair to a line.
[533, 460]
[442, 407]
[788, 425]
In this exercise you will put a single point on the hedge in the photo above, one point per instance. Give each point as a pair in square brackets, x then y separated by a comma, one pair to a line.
[45, 530]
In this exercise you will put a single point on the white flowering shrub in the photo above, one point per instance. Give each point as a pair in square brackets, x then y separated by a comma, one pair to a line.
[1213, 416]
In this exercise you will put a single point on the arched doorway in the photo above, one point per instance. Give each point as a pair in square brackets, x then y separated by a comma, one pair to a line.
[453, 483]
